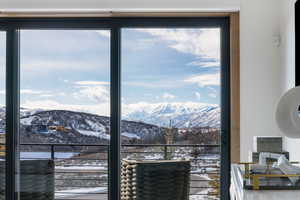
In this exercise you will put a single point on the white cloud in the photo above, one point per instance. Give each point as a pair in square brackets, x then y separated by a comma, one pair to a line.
[212, 95]
[63, 50]
[99, 94]
[61, 93]
[198, 95]
[97, 91]
[2, 62]
[92, 83]
[206, 64]
[100, 109]
[204, 43]
[214, 92]
[31, 92]
[104, 33]
[46, 65]
[37, 93]
[205, 79]
[168, 96]
[154, 84]
[212, 89]
[46, 95]
[141, 43]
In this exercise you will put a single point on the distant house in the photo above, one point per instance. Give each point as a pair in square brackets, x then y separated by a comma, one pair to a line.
[2, 144]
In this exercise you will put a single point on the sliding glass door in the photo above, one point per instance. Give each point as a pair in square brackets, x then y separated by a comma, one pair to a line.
[88, 95]
[171, 100]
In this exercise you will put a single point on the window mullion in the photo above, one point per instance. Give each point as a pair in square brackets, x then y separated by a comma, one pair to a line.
[12, 114]
[115, 113]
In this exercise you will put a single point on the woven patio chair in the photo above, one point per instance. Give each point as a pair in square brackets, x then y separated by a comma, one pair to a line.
[155, 180]
[36, 180]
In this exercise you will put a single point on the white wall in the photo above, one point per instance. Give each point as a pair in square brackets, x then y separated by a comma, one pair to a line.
[122, 4]
[260, 62]
[288, 63]
[260, 70]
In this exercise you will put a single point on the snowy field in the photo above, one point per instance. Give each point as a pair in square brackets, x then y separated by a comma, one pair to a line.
[46, 155]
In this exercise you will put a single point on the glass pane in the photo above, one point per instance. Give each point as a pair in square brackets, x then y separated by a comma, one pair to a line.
[2, 113]
[171, 101]
[65, 104]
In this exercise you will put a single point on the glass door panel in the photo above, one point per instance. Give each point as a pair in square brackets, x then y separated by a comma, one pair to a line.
[65, 109]
[171, 101]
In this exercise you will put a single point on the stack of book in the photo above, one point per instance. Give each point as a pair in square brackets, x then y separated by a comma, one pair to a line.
[271, 144]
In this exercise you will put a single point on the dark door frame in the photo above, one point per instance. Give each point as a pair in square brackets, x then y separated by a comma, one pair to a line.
[12, 26]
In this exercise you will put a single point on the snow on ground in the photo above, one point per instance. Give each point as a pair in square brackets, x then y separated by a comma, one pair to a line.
[46, 155]
[154, 157]
[211, 156]
[95, 126]
[93, 133]
[81, 168]
[131, 135]
[105, 136]
[27, 120]
[79, 192]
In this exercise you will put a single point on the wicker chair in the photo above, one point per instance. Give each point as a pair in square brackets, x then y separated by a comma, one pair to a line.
[155, 180]
[36, 180]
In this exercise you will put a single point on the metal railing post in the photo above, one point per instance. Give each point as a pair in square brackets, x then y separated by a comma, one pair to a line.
[166, 152]
[52, 152]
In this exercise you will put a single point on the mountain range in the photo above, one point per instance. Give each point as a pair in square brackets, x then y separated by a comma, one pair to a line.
[142, 122]
[179, 115]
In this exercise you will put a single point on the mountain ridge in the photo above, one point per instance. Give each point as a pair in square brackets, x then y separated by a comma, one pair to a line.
[180, 115]
[176, 114]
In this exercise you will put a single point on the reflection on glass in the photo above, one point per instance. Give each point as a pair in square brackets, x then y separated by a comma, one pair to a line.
[2, 114]
[171, 100]
[65, 103]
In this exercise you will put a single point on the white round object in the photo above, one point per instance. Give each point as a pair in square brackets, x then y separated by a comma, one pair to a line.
[287, 113]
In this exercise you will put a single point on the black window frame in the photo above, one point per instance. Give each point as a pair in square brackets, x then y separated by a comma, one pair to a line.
[12, 26]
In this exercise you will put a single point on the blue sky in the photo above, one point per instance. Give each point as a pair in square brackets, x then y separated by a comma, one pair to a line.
[70, 69]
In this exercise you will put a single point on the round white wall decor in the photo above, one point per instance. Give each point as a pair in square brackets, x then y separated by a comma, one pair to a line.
[287, 113]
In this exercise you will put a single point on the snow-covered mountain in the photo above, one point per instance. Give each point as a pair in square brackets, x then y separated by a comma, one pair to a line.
[181, 115]
[85, 124]
[61, 126]
[141, 121]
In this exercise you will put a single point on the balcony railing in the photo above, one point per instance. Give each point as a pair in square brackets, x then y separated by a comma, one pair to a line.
[81, 170]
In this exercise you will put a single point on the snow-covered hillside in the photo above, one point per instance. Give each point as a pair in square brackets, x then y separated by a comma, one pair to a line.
[61, 126]
[181, 115]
